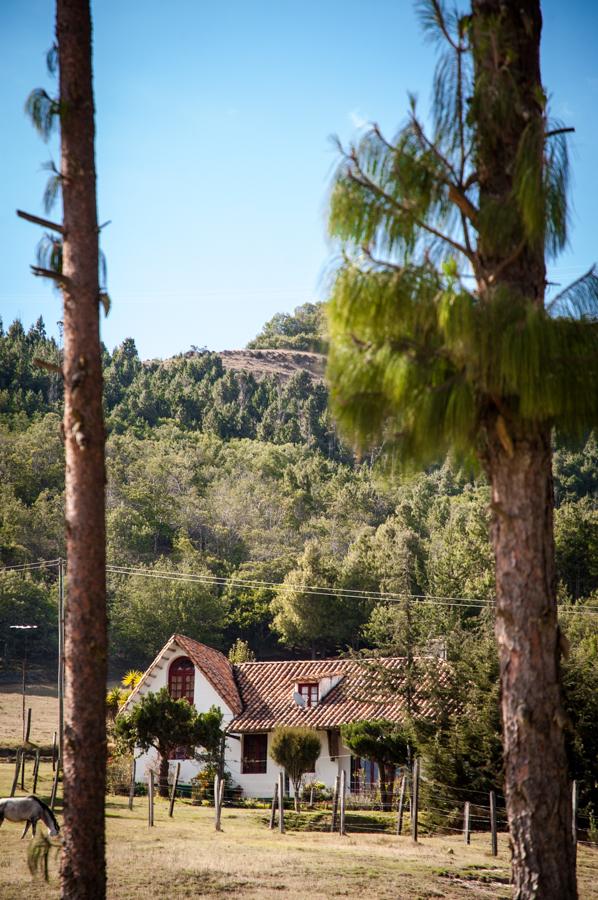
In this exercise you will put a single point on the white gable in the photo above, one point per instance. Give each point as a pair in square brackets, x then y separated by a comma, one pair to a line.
[156, 677]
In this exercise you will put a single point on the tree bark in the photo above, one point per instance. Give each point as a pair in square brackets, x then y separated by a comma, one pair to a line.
[163, 775]
[508, 106]
[537, 787]
[83, 871]
[296, 792]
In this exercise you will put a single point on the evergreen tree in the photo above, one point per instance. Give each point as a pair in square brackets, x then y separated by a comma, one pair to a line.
[70, 257]
[441, 339]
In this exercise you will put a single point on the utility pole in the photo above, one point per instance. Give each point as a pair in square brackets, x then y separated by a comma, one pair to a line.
[26, 629]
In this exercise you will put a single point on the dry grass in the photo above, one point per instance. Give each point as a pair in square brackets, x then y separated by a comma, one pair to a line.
[185, 857]
[282, 364]
[44, 714]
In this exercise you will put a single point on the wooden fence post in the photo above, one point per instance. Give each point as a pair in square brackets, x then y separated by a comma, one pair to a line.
[574, 815]
[35, 771]
[401, 804]
[415, 800]
[343, 787]
[150, 799]
[15, 780]
[132, 783]
[23, 770]
[28, 725]
[54, 753]
[281, 802]
[493, 823]
[217, 796]
[335, 802]
[273, 808]
[55, 783]
[466, 828]
[174, 787]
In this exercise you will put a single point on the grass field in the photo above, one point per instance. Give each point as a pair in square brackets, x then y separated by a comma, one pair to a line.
[184, 857]
[44, 714]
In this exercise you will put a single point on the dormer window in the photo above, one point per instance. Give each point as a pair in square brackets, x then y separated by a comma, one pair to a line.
[309, 692]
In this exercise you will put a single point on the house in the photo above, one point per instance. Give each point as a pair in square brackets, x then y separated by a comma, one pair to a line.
[255, 697]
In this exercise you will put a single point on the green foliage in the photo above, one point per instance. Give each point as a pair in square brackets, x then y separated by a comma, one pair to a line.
[24, 387]
[158, 721]
[576, 539]
[381, 741]
[304, 330]
[145, 611]
[385, 743]
[418, 357]
[193, 391]
[43, 111]
[460, 745]
[580, 685]
[115, 697]
[26, 600]
[296, 750]
[308, 613]
[181, 498]
[241, 652]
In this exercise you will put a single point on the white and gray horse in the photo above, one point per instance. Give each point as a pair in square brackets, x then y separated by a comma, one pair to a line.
[29, 810]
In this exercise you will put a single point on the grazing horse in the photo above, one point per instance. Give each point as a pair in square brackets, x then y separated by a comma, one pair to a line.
[29, 810]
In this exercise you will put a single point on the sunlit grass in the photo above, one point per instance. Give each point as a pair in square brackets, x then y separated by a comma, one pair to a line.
[185, 857]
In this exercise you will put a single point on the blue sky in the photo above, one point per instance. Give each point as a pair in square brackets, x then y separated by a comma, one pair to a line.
[213, 151]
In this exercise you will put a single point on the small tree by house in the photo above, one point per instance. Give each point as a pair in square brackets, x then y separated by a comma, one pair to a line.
[296, 750]
[382, 742]
[241, 652]
[167, 725]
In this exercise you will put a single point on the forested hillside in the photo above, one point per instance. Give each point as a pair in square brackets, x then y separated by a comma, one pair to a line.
[243, 484]
[215, 472]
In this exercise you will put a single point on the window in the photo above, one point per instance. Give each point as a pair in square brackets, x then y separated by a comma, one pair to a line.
[255, 754]
[364, 775]
[181, 679]
[309, 692]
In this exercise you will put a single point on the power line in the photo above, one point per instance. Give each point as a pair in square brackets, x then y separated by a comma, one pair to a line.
[313, 590]
[316, 590]
[42, 564]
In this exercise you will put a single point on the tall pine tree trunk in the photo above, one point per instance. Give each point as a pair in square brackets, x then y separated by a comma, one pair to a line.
[508, 103]
[537, 788]
[83, 861]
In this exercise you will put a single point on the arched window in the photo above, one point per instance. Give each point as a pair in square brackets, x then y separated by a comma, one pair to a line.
[181, 679]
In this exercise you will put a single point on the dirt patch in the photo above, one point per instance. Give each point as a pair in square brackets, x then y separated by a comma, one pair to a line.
[282, 364]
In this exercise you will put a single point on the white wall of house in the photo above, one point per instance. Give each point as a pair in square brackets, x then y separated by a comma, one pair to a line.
[204, 696]
[262, 785]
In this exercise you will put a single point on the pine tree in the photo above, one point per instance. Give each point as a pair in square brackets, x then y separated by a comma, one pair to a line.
[72, 260]
[442, 340]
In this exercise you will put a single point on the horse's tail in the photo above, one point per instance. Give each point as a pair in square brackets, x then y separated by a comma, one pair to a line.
[48, 814]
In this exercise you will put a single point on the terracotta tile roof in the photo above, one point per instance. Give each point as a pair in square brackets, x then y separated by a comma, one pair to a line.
[216, 668]
[367, 689]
